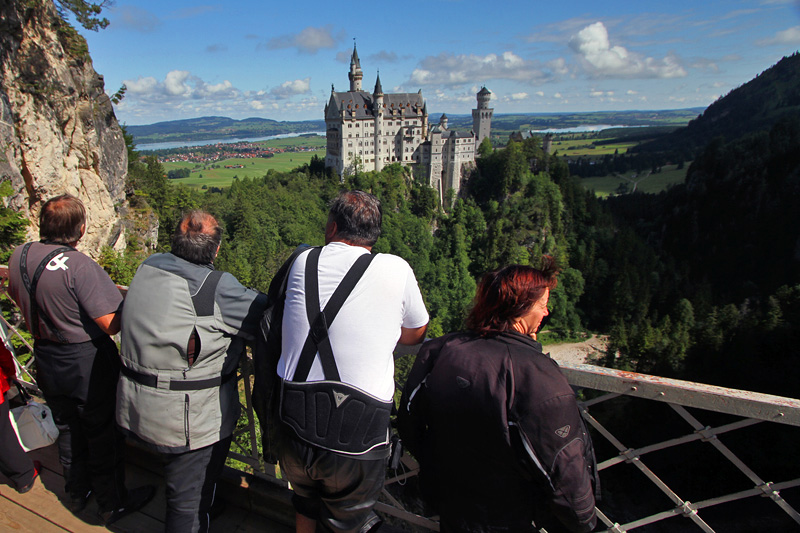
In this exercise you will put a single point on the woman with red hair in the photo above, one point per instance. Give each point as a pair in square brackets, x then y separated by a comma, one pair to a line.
[494, 423]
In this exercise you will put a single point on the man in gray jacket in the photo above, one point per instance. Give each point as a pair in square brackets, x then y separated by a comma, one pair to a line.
[184, 330]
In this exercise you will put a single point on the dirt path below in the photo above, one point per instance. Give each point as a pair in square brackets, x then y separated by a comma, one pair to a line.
[578, 353]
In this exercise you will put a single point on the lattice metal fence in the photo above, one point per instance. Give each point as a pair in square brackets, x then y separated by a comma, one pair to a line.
[749, 409]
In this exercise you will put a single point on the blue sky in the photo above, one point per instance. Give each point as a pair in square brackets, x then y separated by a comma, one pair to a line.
[277, 60]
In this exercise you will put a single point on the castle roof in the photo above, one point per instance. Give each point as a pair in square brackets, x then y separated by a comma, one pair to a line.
[363, 103]
[450, 134]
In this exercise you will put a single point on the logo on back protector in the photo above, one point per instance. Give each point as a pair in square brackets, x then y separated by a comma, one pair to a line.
[563, 431]
[339, 397]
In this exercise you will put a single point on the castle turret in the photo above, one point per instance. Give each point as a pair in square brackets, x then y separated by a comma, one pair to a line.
[355, 74]
[377, 97]
[443, 121]
[377, 94]
[482, 117]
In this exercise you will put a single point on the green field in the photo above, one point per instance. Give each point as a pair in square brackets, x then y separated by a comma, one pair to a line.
[253, 168]
[577, 147]
[216, 175]
[646, 182]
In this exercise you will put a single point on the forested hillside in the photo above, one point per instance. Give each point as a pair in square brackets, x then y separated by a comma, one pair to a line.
[755, 106]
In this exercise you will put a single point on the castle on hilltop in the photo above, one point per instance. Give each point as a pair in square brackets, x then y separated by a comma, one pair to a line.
[373, 130]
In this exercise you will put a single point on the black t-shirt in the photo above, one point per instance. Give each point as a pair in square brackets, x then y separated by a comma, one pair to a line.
[73, 290]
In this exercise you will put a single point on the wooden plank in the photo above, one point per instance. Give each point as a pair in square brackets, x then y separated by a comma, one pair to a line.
[43, 510]
[45, 500]
[16, 518]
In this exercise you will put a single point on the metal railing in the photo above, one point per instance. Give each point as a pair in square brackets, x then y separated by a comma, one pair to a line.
[745, 407]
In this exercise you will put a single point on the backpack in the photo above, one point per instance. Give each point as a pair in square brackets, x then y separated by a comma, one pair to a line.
[267, 352]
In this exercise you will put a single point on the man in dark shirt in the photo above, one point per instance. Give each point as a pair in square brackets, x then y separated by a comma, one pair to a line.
[72, 307]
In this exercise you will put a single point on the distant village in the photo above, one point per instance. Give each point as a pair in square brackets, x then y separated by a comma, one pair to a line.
[222, 151]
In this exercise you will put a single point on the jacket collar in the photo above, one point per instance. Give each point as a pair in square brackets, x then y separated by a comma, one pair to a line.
[512, 337]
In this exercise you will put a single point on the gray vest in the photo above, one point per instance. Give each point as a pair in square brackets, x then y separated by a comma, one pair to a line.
[160, 398]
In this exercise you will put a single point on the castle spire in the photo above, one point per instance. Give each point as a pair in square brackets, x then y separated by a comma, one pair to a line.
[378, 87]
[355, 75]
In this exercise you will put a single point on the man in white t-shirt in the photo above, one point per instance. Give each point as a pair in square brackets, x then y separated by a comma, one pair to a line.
[338, 486]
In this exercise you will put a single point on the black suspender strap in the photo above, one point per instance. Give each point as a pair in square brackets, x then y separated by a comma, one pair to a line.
[320, 321]
[30, 286]
[203, 300]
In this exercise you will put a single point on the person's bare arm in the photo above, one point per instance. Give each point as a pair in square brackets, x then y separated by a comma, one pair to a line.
[411, 336]
[109, 323]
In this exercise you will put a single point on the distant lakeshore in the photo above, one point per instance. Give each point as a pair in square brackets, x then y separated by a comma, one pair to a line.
[149, 147]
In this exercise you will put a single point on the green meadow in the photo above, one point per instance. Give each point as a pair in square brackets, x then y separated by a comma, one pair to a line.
[645, 182]
[578, 147]
[216, 175]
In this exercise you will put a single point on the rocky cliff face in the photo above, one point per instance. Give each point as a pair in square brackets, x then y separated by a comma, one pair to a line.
[58, 132]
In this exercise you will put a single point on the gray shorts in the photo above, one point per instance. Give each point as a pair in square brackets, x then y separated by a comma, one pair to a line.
[337, 491]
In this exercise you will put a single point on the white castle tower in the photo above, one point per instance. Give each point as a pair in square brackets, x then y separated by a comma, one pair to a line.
[482, 117]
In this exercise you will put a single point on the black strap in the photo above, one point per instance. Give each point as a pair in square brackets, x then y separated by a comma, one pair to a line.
[150, 380]
[277, 287]
[317, 340]
[30, 286]
[203, 300]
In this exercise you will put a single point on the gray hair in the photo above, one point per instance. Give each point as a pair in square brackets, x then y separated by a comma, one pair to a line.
[358, 217]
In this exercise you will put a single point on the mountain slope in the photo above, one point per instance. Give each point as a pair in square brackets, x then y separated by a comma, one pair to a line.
[755, 106]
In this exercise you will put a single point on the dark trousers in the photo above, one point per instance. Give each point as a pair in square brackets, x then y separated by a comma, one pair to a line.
[79, 382]
[337, 491]
[14, 462]
[191, 486]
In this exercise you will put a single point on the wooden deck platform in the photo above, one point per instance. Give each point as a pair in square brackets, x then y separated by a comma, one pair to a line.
[251, 504]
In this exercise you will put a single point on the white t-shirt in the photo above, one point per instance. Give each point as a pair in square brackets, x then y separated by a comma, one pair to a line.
[364, 333]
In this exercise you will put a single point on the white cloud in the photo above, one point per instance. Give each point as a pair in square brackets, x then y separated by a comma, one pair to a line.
[519, 96]
[179, 85]
[290, 88]
[310, 40]
[539, 93]
[789, 36]
[602, 60]
[175, 83]
[558, 66]
[453, 70]
[141, 85]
